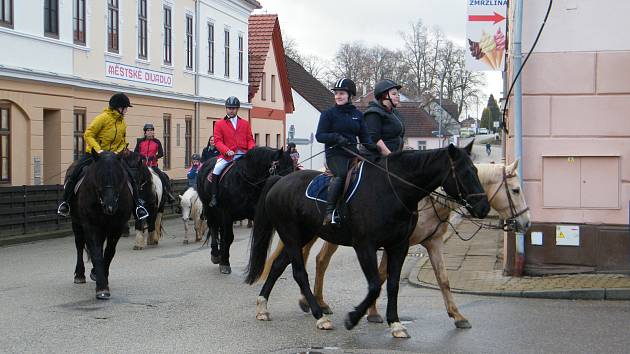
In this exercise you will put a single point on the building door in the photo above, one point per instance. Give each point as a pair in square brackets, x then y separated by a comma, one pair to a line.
[51, 164]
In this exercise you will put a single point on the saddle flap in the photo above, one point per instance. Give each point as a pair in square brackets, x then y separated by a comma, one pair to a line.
[318, 188]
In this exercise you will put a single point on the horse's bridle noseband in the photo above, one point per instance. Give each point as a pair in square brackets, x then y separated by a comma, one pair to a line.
[461, 198]
[509, 223]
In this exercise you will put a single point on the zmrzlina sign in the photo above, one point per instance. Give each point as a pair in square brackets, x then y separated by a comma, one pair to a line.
[132, 73]
[485, 30]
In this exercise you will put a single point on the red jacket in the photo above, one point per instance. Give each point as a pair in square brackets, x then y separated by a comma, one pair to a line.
[151, 149]
[227, 138]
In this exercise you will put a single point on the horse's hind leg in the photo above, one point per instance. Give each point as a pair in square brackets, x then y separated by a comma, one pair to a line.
[321, 264]
[79, 241]
[434, 248]
[227, 237]
[139, 236]
[277, 268]
[373, 315]
[366, 253]
[395, 259]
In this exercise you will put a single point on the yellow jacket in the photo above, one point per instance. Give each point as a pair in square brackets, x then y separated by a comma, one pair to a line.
[108, 131]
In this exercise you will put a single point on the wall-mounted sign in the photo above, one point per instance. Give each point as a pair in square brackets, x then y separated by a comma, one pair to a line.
[485, 31]
[536, 238]
[132, 73]
[567, 235]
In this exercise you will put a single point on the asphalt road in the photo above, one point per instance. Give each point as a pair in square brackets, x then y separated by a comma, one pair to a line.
[171, 299]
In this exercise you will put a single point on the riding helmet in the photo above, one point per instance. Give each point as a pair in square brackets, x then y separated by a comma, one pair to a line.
[148, 126]
[347, 85]
[119, 100]
[383, 86]
[232, 102]
[196, 157]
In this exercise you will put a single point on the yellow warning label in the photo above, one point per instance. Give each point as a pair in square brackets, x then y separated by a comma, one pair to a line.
[561, 235]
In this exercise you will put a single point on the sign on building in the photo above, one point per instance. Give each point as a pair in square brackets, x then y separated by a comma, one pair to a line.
[132, 73]
[485, 30]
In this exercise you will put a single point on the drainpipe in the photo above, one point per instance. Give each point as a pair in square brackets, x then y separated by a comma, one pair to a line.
[197, 98]
[518, 125]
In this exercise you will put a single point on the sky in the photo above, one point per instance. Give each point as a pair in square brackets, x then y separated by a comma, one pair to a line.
[319, 27]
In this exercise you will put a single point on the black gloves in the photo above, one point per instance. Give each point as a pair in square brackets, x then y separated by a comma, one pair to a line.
[371, 148]
[341, 140]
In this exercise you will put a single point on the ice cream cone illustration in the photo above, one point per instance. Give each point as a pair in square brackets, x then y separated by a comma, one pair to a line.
[476, 53]
[499, 41]
[487, 45]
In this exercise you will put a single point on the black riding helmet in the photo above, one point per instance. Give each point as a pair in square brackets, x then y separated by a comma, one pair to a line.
[119, 100]
[196, 157]
[382, 87]
[347, 85]
[148, 126]
[232, 102]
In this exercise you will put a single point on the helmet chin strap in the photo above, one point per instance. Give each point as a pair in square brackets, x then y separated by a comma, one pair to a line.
[390, 101]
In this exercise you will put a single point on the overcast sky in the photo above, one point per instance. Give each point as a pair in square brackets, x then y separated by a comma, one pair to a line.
[318, 27]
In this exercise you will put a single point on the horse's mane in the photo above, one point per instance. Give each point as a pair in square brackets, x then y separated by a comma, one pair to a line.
[416, 158]
[256, 161]
[489, 172]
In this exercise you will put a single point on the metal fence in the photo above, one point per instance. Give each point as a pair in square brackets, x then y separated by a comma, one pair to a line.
[33, 209]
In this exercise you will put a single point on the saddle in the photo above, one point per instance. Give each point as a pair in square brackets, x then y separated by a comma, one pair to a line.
[223, 173]
[318, 188]
[82, 177]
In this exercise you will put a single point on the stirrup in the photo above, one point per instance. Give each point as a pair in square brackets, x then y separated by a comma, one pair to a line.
[140, 208]
[65, 214]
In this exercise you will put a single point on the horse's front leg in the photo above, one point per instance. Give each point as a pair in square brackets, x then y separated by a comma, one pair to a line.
[395, 259]
[373, 315]
[366, 253]
[227, 237]
[79, 241]
[139, 226]
[110, 251]
[95, 239]
[434, 248]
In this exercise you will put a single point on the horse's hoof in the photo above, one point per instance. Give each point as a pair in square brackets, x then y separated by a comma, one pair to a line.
[185, 242]
[79, 280]
[375, 318]
[325, 323]
[348, 323]
[225, 269]
[215, 259]
[463, 324]
[92, 275]
[103, 294]
[399, 331]
[304, 306]
[263, 316]
[137, 248]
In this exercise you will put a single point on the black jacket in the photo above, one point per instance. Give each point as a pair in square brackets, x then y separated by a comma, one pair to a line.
[384, 125]
[209, 153]
[346, 121]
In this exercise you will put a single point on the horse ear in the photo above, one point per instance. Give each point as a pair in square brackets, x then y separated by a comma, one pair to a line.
[469, 146]
[511, 168]
[94, 154]
[278, 155]
[452, 151]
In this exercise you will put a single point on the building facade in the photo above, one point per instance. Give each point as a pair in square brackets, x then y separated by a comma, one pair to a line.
[576, 152]
[177, 60]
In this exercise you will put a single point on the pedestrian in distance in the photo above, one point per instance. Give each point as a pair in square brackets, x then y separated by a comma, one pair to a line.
[209, 151]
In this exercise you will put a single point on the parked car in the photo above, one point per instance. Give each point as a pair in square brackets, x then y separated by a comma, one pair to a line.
[483, 131]
[466, 132]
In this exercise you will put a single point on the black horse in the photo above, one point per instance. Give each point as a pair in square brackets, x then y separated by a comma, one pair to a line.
[239, 190]
[381, 214]
[100, 210]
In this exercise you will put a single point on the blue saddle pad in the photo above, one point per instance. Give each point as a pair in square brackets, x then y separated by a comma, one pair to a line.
[318, 188]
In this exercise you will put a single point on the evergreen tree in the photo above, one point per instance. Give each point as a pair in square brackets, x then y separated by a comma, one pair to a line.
[486, 120]
[495, 112]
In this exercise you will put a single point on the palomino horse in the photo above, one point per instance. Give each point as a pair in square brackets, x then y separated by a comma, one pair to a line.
[192, 209]
[503, 191]
[100, 210]
[379, 215]
[151, 190]
[239, 189]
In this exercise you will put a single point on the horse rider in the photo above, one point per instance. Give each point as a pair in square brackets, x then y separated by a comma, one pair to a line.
[233, 138]
[107, 132]
[384, 123]
[209, 151]
[151, 149]
[339, 127]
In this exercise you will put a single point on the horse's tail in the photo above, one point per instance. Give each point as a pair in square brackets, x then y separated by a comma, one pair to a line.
[261, 235]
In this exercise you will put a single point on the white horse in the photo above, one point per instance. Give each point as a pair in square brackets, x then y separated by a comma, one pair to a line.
[504, 194]
[152, 224]
[192, 209]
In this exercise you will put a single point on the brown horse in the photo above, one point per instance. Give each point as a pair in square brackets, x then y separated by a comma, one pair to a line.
[503, 191]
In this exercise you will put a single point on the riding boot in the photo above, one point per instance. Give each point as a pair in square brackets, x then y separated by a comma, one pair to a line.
[68, 188]
[335, 188]
[215, 190]
[140, 211]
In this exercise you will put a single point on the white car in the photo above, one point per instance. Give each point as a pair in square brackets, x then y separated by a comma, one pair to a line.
[483, 131]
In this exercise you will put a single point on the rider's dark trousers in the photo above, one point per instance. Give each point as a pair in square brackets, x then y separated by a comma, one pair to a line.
[338, 165]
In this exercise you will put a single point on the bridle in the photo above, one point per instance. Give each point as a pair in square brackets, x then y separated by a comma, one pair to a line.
[509, 223]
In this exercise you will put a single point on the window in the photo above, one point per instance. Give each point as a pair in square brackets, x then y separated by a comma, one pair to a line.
[78, 22]
[422, 145]
[211, 48]
[79, 129]
[257, 139]
[112, 26]
[166, 146]
[278, 141]
[267, 139]
[189, 42]
[273, 88]
[168, 41]
[263, 87]
[188, 141]
[5, 142]
[142, 30]
[6, 13]
[51, 18]
[240, 57]
[227, 53]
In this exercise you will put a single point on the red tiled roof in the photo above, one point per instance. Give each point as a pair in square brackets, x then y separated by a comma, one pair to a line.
[264, 30]
[309, 87]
